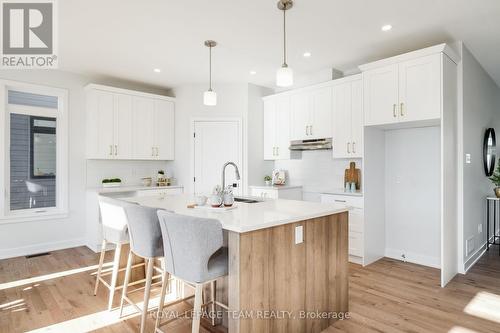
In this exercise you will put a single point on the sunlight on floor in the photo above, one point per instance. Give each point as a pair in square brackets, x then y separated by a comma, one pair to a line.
[41, 278]
[484, 305]
[101, 319]
[458, 329]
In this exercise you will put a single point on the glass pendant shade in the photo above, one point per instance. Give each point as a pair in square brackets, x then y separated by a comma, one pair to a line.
[210, 98]
[284, 77]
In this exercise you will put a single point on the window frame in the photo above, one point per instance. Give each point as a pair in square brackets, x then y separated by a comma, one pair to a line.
[48, 130]
[61, 115]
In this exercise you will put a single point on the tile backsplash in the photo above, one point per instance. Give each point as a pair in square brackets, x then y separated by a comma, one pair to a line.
[317, 172]
[130, 172]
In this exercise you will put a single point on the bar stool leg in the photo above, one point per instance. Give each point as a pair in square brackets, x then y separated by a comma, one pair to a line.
[162, 298]
[197, 308]
[114, 275]
[128, 271]
[101, 262]
[212, 298]
[147, 290]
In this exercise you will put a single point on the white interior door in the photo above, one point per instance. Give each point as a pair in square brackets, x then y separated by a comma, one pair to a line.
[215, 143]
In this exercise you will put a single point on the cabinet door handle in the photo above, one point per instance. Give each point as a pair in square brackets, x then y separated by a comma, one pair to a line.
[307, 130]
[401, 109]
[277, 151]
[311, 129]
[157, 151]
[110, 150]
[274, 151]
[354, 147]
[348, 147]
[153, 151]
[394, 111]
[336, 200]
[116, 150]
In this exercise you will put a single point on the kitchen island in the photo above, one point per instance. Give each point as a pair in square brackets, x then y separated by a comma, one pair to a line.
[288, 262]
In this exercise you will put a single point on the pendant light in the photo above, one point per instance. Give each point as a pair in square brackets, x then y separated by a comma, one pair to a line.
[210, 96]
[284, 75]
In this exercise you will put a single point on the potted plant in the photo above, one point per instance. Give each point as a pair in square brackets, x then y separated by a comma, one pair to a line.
[111, 182]
[495, 179]
[267, 180]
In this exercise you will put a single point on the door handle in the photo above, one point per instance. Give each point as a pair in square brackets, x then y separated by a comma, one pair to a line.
[401, 109]
[336, 200]
[348, 147]
[116, 150]
[354, 147]
[394, 112]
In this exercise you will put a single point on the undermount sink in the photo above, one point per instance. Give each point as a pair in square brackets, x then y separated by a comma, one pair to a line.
[246, 200]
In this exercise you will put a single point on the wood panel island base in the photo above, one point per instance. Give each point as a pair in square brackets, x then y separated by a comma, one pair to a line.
[281, 279]
[276, 285]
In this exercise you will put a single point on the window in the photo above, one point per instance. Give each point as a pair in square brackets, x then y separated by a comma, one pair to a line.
[34, 157]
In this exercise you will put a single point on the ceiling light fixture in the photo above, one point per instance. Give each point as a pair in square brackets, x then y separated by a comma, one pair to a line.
[284, 75]
[253, 72]
[210, 96]
[307, 54]
[157, 70]
[386, 27]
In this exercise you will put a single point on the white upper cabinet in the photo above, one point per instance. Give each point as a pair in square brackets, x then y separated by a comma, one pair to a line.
[277, 128]
[143, 142]
[420, 88]
[380, 87]
[348, 119]
[123, 124]
[164, 129]
[407, 91]
[311, 114]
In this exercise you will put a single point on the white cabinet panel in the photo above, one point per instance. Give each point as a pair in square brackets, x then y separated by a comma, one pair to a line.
[342, 145]
[348, 120]
[270, 129]
[282, 128]
[380, 90]
[277, 128]
[164, 130]
[100, 125]
[300, 106]
[419, 89]
[143, 135]
[321, 113]
[122, 126]
[357, 119]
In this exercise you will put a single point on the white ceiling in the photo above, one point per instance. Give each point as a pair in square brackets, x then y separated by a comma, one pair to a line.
[127, 39]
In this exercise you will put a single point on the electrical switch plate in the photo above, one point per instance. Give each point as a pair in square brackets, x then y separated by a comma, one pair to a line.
[299, 234]
[467, 159]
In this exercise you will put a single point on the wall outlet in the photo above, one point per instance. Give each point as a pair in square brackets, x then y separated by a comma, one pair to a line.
[469, 245]
[299, 234]
[480, 228]
[403, 257]
[467, 159]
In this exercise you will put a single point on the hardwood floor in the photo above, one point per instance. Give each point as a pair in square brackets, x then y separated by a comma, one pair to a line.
[54, 293]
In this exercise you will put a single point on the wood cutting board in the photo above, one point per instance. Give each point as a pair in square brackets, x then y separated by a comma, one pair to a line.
[352, 175]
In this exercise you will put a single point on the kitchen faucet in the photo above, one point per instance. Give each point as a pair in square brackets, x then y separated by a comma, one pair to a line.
[236, 171]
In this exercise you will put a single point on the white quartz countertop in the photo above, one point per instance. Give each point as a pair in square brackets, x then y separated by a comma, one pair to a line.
[275, 187]
[246, 216]
[130, 188]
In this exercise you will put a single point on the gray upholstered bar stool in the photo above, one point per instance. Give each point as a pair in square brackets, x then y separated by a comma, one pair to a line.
[114, 227]
[194, 253]
[145, 242]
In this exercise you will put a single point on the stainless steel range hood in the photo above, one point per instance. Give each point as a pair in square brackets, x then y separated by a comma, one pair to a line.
[313, 144]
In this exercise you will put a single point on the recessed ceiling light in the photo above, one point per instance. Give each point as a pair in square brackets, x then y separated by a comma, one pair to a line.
[386, 27]
[307, 54]
[253, 72]
[157, 70]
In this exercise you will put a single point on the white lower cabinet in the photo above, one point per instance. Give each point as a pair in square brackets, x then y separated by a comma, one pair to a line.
[275, 192]
[356, 223]
[159, 191]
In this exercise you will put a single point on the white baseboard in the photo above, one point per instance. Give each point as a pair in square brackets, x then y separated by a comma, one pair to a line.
[40, 248]
[475, 257]
[356, 260]
[414, 258]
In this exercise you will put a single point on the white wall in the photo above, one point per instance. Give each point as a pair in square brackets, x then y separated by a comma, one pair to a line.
[33, 237]
[413, 195]
[239, 100]
[480, 108]
[317, 172]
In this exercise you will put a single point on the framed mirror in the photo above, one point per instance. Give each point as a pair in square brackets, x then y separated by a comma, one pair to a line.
[489, 151]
